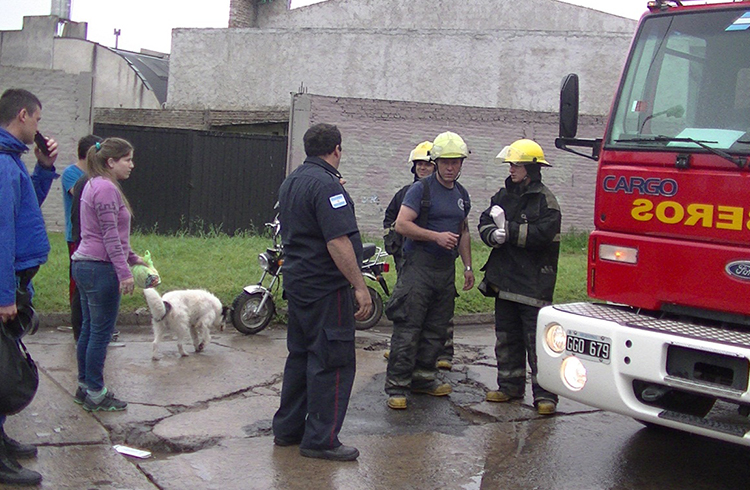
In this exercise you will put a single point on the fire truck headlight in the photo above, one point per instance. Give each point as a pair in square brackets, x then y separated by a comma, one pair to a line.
[573, 373]
[554, 337]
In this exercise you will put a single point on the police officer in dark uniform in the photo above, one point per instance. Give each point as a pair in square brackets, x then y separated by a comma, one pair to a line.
[323, 251]
[433, 217]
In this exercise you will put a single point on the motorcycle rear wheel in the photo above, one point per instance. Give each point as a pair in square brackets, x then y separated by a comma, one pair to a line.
[377, 311]
[244, 317]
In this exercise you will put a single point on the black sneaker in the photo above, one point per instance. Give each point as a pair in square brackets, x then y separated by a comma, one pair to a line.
[108, 404]
[80, 396]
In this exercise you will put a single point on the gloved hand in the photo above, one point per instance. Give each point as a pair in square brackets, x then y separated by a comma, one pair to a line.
[499, 236]
[498, 216]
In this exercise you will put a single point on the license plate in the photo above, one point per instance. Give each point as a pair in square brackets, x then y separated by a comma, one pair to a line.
[588, 346]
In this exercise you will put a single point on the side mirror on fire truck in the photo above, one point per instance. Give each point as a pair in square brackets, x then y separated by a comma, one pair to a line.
[569, 106]
[569, 120]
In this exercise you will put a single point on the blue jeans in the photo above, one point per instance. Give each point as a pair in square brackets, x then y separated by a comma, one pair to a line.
[100, 301]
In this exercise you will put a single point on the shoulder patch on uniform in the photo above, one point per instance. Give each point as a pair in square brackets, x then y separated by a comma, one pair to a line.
[337, 201]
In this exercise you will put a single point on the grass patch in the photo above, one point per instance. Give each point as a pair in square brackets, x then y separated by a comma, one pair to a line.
[224, 265]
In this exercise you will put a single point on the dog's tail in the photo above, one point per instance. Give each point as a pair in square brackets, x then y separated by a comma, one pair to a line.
[225, 313]
[159, 309]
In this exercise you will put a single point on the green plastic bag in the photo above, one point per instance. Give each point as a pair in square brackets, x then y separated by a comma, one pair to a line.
[146, 276]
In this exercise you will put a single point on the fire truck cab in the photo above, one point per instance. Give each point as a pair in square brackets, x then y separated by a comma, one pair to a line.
[667, 338]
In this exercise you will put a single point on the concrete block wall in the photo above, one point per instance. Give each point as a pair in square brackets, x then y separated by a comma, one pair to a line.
[242, 13]
[157, 118]
[66, 106]
[378, 136]
[189, 119]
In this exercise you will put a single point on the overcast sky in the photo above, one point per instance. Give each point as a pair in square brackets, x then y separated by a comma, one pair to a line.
[148, 23]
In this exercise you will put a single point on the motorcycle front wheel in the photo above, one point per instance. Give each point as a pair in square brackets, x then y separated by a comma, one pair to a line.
[377, 311]
[245, 315]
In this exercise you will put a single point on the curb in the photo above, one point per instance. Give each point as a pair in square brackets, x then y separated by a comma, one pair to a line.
[143, 319]
[54, 320]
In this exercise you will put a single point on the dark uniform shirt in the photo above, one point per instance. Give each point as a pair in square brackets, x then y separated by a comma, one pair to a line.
[448, 210]
[314, 209]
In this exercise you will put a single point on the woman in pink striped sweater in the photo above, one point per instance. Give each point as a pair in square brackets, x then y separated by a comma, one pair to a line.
[101, 266]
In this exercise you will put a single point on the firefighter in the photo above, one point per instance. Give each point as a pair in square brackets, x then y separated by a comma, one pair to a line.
[522, 225]
[421, 167]
[433, 218]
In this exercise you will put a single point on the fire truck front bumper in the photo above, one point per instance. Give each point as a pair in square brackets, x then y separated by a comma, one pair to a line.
[664, 372]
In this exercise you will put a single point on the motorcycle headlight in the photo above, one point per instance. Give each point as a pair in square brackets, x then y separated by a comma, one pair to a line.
[264, 261]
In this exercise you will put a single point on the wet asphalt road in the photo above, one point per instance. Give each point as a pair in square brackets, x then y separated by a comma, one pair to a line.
[206, 419]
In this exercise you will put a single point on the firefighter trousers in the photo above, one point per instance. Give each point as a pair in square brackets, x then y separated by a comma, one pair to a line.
[421, 309]
[515, 332]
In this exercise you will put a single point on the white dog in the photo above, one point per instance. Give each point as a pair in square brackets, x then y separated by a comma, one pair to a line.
[183, 311]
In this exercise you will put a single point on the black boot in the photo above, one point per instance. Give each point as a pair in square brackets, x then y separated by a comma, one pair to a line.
[16, 449]
[13, 473]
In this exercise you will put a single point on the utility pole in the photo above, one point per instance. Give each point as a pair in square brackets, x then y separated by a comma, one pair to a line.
[117, 36]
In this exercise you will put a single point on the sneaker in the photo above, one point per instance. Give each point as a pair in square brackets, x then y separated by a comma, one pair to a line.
[546, 407]
[500, 397]
[115, 335]
[444, 364]
[108, 404]
[434, 389]
[80, 396]
[341, 453]
[116, 344]
[397, 402]
[387, 354]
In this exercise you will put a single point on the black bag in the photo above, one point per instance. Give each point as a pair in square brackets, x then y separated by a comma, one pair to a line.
[19, 377]
[393, 242]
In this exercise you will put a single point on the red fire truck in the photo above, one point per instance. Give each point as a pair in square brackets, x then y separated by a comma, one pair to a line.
[667, 339]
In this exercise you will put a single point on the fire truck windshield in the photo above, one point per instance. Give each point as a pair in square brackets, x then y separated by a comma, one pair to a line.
[687, 84]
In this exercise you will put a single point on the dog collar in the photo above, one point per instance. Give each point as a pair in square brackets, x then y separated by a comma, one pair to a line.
[167, 309]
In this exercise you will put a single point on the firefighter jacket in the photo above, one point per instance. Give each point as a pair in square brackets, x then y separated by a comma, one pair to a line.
[524, 268]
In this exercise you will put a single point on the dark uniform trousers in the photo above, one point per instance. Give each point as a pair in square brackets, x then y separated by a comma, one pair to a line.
[421, 309]
[319, 371]
[515, 329]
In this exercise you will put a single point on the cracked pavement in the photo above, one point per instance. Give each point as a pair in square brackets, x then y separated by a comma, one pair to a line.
[206, 418]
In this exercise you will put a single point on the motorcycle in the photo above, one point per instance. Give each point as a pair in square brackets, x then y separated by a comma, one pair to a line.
[373, 266]
[253, 309]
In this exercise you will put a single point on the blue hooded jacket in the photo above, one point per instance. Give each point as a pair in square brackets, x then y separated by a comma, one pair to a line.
[23, 237]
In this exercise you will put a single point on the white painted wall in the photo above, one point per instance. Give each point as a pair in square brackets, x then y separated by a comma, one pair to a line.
[248, 67]
[474, 15]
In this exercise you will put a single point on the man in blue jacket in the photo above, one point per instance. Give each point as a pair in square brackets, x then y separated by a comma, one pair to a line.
[23, 237]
